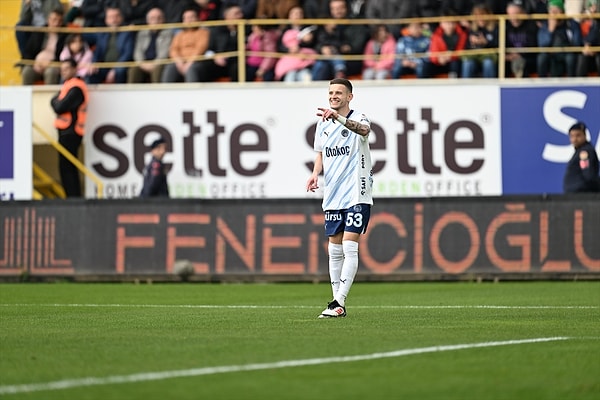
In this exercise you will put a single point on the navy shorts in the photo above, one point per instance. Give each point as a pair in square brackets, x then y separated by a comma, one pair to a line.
[354, 219]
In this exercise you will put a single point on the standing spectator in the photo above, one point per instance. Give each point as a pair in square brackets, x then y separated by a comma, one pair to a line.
[112, 47]
[483, 34]
[135, 11]
[412, 42]
[261, 39]
[151, 46]
[557, 32]
[298, 42]
[34, 13]
[338, 40]
[316, 8]
[448, 36]
[224, 39]
[155, 175]
[581, 174]
[379, 54]
[70, 106]
[77, 49]
[521, 33]
[347, 196]
[590, 29]
[44, 48]
[187, 45]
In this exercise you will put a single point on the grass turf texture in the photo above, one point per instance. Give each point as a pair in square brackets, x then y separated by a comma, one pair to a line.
[57, 332]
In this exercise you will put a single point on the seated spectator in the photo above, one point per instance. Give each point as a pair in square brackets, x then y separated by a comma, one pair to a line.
[223, 39]
[483, 34]
[590, 29]
[77, 49]
[261, 39]
[135, 11]
[187, 45]
[93, 12]
[412, 42]
[379, 54]
[315, 9]
[112, 47]
[151, 46]
[247, 7]
[385, 9]
[448, 36]
[298, 41]
[44, 48]
[336, 40]
[173, 9]
[275, 9]
[520, 34]
[209, 10]
[557, 32]
[33, 13]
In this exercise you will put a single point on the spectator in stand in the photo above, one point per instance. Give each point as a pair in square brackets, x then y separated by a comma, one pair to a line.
[298, 42]
[135, 11]
[151, 47]
[93, 12]
[112, 47]
[275, 9]
[379, 54]
[187, 45]
[209, 10]
[557, 32]
[223, 39]
[412, 42]
[521, 33]
[77, 49]
[173, 9]
[590, 29]
[44, 48]
[261, 39]
[339, 40]
[482, 34]
[385, 9]
[448, 36]
[33, 13]
[247, 7]
[427, 9]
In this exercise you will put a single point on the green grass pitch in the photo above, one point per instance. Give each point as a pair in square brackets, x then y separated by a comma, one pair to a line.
[505, 340]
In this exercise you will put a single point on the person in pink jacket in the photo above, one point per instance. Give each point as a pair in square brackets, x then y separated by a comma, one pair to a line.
[298, 42]
[261, 39]
[77, 49]
[379, 51]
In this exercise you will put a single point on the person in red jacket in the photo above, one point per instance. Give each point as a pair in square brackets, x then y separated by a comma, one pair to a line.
[448, 36]
[70, 106]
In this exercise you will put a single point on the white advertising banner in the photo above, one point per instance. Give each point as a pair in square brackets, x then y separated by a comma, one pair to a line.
[255, 141]
[16, 148]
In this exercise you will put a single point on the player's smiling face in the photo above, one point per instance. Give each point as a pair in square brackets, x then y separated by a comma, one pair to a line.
[339, 97]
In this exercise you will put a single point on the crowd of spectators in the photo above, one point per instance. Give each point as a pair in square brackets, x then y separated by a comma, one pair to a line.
[301, 52]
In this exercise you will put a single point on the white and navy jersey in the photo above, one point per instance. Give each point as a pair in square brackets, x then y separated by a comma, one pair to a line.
[346, 163]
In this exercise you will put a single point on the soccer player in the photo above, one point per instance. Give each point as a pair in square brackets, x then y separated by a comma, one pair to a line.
[343, 154]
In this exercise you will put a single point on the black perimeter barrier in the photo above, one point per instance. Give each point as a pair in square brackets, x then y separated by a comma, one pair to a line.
[259, 240]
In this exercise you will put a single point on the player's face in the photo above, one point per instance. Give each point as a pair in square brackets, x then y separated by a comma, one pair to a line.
[577, 137]
[339, 96]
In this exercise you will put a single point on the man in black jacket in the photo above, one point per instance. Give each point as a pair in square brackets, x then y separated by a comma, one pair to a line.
[155, 176]
[582, 170]
[70, 106]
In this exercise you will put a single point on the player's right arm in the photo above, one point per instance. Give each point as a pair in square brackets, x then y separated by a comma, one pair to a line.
[313, 181]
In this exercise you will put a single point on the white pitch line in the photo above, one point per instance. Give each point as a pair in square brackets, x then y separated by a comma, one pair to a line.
[249, 306]
[154, 376]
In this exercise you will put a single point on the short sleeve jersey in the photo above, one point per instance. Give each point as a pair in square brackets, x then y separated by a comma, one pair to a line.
[347, 167]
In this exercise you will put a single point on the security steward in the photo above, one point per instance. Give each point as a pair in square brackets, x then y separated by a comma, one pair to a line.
[582, 170]
[70, 106]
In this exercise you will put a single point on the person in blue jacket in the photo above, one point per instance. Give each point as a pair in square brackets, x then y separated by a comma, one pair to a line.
[581, 174]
